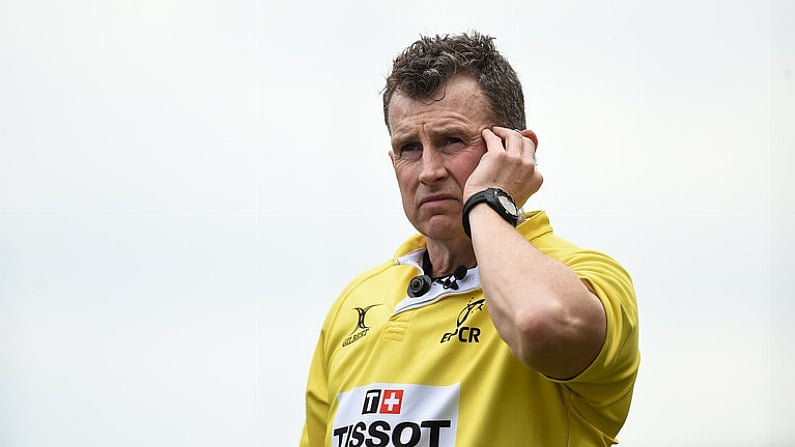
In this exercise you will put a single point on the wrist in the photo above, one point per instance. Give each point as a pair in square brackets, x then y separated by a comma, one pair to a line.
[497, 199]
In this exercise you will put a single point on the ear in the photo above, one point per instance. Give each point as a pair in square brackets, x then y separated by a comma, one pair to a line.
[530, 134]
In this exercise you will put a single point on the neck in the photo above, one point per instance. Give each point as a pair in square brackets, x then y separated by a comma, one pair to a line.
[439, 261]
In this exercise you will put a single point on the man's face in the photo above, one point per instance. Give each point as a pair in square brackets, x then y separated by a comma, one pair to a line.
[436, 144]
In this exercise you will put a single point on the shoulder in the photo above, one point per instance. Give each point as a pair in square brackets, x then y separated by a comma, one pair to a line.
[589, 264]
[360, 285]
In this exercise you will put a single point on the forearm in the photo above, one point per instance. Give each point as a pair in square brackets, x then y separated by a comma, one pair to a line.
[540, 307]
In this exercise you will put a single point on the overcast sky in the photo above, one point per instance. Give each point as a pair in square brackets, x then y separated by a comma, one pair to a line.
[186, 186]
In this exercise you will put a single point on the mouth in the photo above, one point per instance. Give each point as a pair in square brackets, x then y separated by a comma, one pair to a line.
[437, 200]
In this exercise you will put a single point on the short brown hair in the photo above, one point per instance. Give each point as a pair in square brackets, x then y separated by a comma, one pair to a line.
[427, 64]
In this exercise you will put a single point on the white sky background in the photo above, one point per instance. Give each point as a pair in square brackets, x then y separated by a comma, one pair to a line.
[185, 186]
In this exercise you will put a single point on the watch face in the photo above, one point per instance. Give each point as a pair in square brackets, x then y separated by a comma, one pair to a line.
[508, 204]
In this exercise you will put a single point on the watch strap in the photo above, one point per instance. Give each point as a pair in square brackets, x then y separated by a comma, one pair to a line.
[490, 197]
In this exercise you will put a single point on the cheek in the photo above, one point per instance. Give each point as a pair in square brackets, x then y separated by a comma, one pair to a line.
[466, 165]
[406, 178]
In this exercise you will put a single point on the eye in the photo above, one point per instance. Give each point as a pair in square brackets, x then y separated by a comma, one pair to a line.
[410, 151]
[452, 144]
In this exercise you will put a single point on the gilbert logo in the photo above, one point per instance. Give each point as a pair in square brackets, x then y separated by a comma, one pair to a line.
[383, 402]
[361, 329]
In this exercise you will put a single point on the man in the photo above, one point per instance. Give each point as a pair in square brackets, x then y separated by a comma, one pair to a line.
[485, 329]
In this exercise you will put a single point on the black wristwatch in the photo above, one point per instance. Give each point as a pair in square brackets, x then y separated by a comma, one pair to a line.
[498, 200]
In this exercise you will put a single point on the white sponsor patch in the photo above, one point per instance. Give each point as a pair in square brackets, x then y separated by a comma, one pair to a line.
[399, 415]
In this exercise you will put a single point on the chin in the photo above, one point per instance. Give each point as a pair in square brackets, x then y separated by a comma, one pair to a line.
[441, 228]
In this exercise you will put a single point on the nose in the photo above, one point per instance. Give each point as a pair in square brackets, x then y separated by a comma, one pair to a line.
[433, 166]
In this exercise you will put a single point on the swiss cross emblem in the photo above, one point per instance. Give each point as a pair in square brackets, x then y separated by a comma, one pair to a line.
[391, 402]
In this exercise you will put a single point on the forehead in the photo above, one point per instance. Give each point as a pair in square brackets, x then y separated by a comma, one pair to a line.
[460, 101]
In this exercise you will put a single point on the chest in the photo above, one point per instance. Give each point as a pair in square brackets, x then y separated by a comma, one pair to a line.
[435, 344]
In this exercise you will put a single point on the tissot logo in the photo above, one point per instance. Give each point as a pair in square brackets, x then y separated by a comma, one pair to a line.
[361, 325]
[397, 415]
[465, 334]
[383, 402]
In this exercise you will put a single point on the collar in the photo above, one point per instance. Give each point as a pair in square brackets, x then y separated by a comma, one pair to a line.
[533, 225]
[469, 283]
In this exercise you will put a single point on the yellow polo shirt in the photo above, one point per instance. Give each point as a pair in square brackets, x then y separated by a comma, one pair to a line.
[390, 370]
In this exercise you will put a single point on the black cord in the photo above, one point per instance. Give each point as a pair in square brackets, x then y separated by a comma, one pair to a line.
[447, 281]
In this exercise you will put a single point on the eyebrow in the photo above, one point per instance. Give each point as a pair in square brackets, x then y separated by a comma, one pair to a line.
[453, 128]
[400, 138]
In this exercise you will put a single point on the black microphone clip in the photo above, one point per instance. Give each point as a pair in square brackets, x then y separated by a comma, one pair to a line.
[451, 282]
[419, 285]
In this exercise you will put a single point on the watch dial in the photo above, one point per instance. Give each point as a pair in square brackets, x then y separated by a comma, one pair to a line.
[508, 205]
